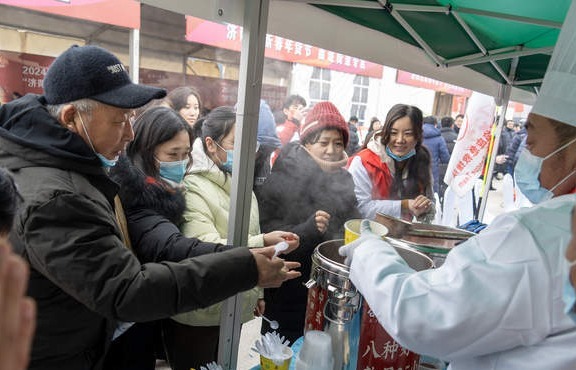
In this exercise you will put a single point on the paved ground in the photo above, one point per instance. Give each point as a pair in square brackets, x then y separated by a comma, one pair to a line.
[247, 359]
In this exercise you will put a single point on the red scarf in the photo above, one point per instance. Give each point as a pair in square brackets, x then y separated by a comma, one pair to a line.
[378, 172]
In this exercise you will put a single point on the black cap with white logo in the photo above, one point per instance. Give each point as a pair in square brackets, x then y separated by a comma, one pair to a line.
[91, 72]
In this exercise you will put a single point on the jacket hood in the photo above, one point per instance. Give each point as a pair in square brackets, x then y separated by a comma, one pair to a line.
[430, 131]
[138, 191]
[29, 132]
[267, 127]
[202, 164]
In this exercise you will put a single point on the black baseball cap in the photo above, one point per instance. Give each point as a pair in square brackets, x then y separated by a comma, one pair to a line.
[91, 72]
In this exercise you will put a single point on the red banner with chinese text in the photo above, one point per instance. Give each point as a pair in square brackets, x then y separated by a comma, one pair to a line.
[21, 74]
[229, 37]
[413, 79]
[469, 154]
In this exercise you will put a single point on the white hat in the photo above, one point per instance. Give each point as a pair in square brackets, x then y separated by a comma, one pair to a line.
[557, 98]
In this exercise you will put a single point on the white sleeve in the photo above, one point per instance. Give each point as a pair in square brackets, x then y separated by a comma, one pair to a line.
[363, 190]
[493, 293]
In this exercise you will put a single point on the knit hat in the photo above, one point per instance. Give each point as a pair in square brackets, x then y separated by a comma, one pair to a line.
[557, 98]
[92, 72]
[322, 116]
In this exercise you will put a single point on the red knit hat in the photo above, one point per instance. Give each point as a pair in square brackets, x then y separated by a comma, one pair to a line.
[322, 116]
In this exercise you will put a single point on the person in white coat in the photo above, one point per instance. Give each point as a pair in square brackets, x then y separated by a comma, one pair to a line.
[569, 291]
[497, 301]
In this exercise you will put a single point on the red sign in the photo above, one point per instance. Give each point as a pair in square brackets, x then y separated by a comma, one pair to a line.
[458, 105]
[123, 13]
[230, 37]
[413, 79]
[21, 74]
[378, 350]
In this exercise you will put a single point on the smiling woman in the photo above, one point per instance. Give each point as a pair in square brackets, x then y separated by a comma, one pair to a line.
[392, 175]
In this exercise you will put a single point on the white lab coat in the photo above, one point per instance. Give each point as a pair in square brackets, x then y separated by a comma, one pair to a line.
[495, 304]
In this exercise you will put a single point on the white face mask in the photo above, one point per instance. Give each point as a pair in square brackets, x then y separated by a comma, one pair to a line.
[527, 173]
[106, 163]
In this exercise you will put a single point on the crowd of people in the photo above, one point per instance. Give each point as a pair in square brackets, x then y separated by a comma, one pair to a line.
[116, 201]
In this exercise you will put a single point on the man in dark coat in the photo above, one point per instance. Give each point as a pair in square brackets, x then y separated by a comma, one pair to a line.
[354, 142]
[437, 146]
[450, 136]
[82, 277]
[514, 149]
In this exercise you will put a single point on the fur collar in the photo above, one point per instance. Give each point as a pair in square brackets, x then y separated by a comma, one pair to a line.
[138, 192]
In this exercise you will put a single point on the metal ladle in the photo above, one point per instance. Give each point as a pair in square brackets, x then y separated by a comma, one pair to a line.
[273, 323]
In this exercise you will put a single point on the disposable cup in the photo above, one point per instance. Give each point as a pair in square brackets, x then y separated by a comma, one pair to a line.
[269, 364]
[316, 352]
[352, 229]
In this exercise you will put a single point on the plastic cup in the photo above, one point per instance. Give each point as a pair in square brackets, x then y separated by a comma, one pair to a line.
[269, 364]
[352, 229]
[316, 352]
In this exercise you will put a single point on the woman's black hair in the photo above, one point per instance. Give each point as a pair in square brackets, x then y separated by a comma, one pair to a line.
[372, 122]
[9, 201]
[178, 98]
[217, 124]
[419, 165]
[152, 128]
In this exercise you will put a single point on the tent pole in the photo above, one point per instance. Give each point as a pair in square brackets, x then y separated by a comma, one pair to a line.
[134, 55]
[507, 89]
[249, 89]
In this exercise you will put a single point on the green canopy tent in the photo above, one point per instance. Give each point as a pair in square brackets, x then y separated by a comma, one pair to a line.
[508, 41]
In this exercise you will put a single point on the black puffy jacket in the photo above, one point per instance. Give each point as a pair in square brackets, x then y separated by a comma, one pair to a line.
[294, 191]
[82, 277]
[154, 213]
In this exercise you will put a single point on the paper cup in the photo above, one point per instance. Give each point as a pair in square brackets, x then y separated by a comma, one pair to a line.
[352, 230]
[268, 364]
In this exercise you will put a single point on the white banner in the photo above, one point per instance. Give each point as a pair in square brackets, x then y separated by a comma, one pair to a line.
[468, 156]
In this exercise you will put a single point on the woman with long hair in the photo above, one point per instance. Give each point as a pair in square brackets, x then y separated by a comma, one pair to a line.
[186, 101]
[152, 195]
[392, 175]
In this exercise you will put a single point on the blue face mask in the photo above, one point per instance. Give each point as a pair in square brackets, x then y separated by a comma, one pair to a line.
[568, 294]
[399, 158]
[227, 166]
[106, 163]
[527, 173]
[173, 171]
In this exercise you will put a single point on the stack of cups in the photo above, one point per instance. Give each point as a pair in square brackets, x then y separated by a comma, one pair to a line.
[316, 352]
[281, 362]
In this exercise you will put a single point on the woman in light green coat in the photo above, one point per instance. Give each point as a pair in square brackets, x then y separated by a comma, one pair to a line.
[206, 218]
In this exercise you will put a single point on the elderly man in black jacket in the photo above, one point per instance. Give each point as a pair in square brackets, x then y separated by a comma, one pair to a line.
[82, 276]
